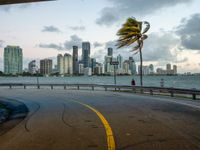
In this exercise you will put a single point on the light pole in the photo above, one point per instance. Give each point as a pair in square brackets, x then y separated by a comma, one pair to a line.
[114, 63]
[37, 78]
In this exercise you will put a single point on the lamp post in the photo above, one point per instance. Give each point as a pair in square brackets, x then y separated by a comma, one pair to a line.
[114, 63]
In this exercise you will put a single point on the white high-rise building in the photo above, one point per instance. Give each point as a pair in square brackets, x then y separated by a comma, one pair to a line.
[108, 67]
[126, 67]
[68, 64]
[65, 64]
[60, 64]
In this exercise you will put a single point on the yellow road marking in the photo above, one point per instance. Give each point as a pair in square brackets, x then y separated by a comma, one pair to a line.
[109, 133]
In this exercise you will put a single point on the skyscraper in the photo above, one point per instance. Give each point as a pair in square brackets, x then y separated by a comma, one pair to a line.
[132, 66]
[175, 69]
[120, 60]
[13, 60]
[110, 51]
[60, 64]
[93, 64]
[46, 66]
[168, 68]
[151, 69]
[68, 64]
[75, 60]
[86, 54]
[32, 68]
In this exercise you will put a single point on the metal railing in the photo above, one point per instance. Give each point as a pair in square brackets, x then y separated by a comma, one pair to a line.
[151, 90]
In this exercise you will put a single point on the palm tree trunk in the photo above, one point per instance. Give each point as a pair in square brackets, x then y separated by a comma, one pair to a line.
[141, 75]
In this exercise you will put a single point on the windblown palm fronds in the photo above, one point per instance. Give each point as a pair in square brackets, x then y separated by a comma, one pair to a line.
[133, 31]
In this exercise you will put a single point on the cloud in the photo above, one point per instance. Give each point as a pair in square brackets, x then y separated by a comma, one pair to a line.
[67, 45]
[158, 47]
[97, 44]
[74, 41]
[50, 29]
[124, 8]
[76, 28]
[99, 55]
[189, 32]
[52, 46]
[1, 43]
[110, 44]
[182, 60]
[108, 16]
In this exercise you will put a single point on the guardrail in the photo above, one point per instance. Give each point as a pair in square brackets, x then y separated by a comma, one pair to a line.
[151, 90]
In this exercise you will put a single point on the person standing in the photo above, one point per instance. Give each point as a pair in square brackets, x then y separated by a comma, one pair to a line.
[133, 82]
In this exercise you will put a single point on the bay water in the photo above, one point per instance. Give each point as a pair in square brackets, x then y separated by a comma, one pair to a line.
[186, 82]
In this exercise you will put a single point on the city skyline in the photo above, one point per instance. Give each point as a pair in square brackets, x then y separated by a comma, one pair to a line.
[68, 64]
[53, 34]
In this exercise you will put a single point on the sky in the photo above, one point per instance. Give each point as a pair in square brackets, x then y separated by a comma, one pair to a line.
[46, 29]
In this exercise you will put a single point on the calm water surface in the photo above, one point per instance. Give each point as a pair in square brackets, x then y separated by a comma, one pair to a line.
[187, 82]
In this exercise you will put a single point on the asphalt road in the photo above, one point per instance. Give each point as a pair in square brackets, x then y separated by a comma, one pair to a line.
[98, 120]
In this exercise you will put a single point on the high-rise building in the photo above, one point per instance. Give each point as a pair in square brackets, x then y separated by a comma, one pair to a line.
[60, 64]
[168, 68]
[46, 67]
[65, 64]
[68, 64]
[126, 67]
[174, 69]
[32, 68]
[93, 64]
[75, 60]
[120, 60]
[107, 66]
[132, 66]
[145, 70]
[80, 69]
[98, 70]
[110, 52]
[86, 54]
[151, 69]
[13, 60]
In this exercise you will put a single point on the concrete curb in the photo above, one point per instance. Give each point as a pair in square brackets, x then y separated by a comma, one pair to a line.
[12, 109]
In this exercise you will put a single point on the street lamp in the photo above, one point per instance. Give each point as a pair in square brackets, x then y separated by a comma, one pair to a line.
[114, 63]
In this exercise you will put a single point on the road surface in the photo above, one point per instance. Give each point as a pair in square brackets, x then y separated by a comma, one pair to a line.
[98, 120]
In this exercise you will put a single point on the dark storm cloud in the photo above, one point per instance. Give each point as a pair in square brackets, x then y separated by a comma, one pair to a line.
[50, 29]
[77, 28]
[124, 8]
[189, 32]
[67, 45]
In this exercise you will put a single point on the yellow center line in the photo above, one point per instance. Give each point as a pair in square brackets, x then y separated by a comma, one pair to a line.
[109, 133]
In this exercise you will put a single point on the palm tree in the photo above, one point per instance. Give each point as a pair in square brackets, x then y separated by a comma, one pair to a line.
[133, 31]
